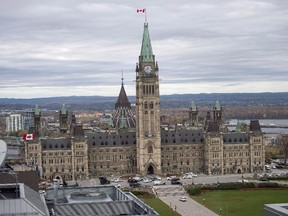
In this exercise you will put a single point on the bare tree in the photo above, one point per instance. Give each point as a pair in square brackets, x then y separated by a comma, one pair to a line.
[282, 141]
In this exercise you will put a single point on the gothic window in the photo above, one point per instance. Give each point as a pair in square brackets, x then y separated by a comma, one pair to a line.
[150, 149]
[151, 105]
[145, 105]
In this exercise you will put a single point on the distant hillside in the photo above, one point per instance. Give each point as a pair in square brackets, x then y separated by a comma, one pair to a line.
[167, 101]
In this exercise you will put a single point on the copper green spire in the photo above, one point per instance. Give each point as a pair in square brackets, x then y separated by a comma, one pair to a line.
[217, 105]
[193, 106]
[36, 110]
[63, 109]
[146, 48]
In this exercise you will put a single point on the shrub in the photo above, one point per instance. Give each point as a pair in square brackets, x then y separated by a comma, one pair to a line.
[268, 185]
[137, 193]
[194, 191]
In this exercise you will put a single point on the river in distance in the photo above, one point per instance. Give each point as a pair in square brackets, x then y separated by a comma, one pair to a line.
[277, 125]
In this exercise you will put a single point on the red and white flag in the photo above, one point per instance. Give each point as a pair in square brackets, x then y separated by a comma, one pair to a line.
[141, 11]
[28, 137]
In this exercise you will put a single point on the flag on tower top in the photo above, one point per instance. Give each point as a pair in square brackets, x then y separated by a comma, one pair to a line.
[140, 10]
[28, 137]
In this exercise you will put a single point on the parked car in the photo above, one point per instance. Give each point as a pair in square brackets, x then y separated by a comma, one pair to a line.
[103, 180]
[146, 180]
[187, 177]
[134, 184]
[132, 180]
[159, 182]
[176, 181]
[116, 180]
[137, 178]
[264, 179]
[171, 177]
[192, 174]
[182, 199]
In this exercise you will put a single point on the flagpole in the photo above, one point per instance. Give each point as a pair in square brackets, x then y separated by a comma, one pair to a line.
[145, 16]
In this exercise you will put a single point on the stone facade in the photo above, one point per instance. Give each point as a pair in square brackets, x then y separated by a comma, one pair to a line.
[148, 149]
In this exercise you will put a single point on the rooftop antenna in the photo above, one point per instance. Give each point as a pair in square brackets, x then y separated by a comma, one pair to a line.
[122, 78]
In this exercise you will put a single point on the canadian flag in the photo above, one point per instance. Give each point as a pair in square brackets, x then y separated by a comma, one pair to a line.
[141, 11]
[28, 137]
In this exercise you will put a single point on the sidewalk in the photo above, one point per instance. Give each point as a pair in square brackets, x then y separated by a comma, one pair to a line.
[188, 208]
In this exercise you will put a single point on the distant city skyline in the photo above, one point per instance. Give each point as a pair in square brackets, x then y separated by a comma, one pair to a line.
[74, 47]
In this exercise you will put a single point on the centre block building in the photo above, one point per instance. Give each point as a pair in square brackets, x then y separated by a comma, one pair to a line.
[139, 144]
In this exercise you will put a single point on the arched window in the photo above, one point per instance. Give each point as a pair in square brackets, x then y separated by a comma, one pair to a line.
[150, 149]
[145, 105]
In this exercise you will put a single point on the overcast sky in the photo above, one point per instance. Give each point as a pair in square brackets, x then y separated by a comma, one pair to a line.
[77, 47]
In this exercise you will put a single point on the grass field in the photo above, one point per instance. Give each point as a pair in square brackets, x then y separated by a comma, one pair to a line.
[241, 203]
[160, 207]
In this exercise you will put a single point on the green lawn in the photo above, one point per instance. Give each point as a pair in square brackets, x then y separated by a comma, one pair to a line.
[239, 203]
[160, 207]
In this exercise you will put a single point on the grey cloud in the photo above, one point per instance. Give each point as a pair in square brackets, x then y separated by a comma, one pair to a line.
[76, 43]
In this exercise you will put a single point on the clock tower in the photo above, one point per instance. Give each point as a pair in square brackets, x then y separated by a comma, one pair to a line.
[147, 110]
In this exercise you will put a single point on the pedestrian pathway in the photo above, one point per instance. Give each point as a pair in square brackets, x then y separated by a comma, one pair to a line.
[170, 194]
[169, 190]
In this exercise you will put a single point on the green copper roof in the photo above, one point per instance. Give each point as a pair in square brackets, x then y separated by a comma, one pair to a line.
[217, 105]
[123, 123]
[193, 106]
[110, 123]
[63, 109]
[146, 49]
[36, 110]
[240, 126]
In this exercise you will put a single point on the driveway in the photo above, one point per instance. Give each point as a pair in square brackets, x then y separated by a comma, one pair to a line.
[188, 208]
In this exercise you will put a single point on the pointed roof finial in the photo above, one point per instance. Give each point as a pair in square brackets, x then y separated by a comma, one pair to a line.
[122, 77]
[146, 48]
[63, 109]
[217, 105]
[36, 110]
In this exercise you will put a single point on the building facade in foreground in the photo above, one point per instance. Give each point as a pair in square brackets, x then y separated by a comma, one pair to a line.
[147, 148]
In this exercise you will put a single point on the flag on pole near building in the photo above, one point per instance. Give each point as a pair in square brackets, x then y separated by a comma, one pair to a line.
[28, 137]
[140, 10]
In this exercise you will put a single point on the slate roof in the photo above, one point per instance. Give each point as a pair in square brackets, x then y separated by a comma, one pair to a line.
[56, 144]
[101, 139]
[213, 127]
[123, 116]
[255, 126]
[182, 137]
[235, 138]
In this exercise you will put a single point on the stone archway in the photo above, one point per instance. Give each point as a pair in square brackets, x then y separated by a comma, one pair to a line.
[239, 171]
[150, 170]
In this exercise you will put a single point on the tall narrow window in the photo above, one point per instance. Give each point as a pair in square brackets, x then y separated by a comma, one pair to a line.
[150, 149]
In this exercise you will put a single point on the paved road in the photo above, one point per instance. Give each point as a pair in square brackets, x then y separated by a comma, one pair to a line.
[188, 208]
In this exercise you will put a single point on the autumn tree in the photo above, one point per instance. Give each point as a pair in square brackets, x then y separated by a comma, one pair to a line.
[282, 142]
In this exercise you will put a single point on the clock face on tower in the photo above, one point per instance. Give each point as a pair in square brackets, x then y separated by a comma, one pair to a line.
[148, 69]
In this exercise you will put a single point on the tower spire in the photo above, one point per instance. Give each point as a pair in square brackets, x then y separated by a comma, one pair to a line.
[146, 48]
